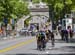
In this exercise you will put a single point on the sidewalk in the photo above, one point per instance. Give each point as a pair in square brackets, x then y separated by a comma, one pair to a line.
[11, 37]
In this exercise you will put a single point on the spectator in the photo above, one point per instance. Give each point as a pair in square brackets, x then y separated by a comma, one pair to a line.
[66, 35]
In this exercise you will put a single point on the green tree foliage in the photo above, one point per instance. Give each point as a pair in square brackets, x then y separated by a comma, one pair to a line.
[26, 22]
[60, 7]
[35, 1]
[12, 9]
[73, 5]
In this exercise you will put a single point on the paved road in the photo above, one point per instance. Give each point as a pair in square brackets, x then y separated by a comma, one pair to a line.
[27, 45]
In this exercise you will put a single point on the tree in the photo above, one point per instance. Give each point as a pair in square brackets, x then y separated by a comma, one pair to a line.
[73, 5]
[35, 1]
[12, 9]
[58, 8]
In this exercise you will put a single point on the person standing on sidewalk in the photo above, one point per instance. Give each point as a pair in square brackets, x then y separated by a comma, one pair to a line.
[1, 32]
[66, 35]
[62, 34]
[59, 28]
[70, 32]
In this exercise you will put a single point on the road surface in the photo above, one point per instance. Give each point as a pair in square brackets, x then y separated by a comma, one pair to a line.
[27, 45]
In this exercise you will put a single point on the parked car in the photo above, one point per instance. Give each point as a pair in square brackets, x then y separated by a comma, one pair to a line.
[27, 32]
[23, 31]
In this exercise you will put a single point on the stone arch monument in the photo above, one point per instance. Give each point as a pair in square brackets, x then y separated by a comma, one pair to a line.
[35, 13]
[38, 20]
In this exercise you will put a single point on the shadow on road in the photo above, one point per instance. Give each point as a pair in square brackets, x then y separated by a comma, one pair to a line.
[62, 41]
[72, 41]
[69, 48]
